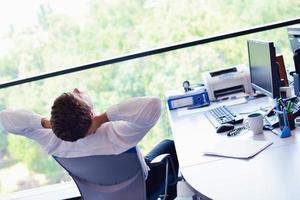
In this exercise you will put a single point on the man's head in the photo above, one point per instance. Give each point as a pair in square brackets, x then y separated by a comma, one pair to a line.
[71, 115]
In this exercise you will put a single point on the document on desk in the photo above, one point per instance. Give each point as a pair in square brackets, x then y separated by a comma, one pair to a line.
[237, 148]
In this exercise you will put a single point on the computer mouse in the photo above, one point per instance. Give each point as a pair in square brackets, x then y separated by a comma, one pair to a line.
[224, 127]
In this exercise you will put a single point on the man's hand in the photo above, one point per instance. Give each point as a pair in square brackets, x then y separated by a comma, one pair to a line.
[46, 123]
[97, 121]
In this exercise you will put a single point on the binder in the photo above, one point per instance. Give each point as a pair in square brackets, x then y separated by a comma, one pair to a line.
[282, 71]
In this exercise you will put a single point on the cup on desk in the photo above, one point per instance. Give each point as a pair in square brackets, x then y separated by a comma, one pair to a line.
[256, 123]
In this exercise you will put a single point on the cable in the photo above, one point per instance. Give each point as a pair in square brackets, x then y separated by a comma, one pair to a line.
[237, 131]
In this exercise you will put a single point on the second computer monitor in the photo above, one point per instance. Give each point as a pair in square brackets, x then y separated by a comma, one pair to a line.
[264, 70]
[294, 37]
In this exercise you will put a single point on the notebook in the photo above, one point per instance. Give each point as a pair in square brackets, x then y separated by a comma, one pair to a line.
[237, 148]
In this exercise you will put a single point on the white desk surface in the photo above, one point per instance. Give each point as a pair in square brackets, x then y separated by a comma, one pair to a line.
[272, 174]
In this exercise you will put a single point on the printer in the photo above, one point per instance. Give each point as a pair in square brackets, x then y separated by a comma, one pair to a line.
[227, 81]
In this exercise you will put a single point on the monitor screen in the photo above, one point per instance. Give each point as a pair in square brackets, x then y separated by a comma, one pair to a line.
[294, 37]
[264, 71]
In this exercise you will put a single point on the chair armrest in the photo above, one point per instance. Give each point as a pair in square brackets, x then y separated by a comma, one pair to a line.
[165, 159]
[158, 160]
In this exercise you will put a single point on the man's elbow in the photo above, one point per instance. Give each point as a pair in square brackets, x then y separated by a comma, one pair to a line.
[155, 104]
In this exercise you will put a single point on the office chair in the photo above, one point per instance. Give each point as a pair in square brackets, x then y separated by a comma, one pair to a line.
[115, 177]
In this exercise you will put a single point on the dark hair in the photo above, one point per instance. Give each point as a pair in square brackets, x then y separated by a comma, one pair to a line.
[70, 117]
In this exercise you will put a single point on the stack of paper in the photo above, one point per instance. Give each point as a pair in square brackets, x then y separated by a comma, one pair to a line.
[237, 148]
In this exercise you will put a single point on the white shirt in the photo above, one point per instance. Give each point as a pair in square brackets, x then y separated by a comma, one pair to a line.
[129, 122]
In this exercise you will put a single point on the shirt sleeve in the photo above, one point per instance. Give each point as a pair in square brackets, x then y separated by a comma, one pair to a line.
[20, 122]
[28, 124]
[130, 120]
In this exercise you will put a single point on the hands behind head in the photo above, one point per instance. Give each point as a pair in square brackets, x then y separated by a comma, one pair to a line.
[45, 123]
[97, 121]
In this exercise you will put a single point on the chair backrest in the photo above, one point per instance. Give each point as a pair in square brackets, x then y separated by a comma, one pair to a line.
[108, 177]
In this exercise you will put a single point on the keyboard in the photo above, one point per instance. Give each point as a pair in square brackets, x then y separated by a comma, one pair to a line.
[223, 115]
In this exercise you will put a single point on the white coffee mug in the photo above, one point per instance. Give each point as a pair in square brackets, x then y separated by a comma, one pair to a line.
[256, 122]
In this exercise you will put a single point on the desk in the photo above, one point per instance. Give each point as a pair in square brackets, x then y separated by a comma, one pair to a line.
[272, 174]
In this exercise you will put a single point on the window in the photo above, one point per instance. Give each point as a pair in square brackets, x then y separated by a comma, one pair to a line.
[50, 35]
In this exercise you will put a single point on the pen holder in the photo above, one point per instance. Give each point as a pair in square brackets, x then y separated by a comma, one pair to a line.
[280, 120]
[291, 121]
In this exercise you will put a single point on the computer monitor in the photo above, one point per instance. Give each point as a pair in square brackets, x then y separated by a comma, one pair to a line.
[294, 37]
[264, 70]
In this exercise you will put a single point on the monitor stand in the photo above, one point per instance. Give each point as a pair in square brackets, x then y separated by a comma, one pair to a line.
[257, 94]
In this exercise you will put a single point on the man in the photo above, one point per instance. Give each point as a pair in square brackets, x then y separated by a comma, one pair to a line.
[75, 130]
